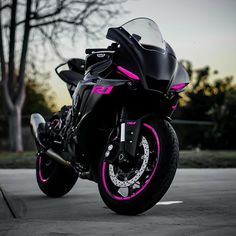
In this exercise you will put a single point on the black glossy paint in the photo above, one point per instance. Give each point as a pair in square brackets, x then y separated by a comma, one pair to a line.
[96, 115]
[154, 67]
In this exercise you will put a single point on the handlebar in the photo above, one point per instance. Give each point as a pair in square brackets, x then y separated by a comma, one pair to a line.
[109, 49]
[92, 50]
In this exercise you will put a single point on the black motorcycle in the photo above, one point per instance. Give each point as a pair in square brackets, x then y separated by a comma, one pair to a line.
[117, 131]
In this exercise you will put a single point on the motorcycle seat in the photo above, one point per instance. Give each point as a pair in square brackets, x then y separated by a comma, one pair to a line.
[71, 77]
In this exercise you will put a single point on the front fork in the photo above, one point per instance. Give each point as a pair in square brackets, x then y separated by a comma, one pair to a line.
[129, 137]
[123, 118]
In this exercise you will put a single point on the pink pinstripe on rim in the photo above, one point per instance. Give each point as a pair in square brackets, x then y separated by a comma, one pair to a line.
[146, 183]
[40, 171]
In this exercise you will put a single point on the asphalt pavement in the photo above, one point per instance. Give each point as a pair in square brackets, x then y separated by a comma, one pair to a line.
[199, 202]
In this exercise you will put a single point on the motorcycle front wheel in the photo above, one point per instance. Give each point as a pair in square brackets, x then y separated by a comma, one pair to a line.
[53, 179]
[131, 190]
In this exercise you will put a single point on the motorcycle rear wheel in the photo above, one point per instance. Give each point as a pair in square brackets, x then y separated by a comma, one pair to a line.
[53, 179]
[131, 192]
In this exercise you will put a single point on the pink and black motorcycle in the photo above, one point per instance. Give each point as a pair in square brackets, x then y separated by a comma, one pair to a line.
[117, 131]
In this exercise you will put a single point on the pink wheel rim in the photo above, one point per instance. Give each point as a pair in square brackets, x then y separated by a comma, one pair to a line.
[147, 181]
[40, 171]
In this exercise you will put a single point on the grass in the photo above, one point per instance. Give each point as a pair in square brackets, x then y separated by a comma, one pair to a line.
[188, 159]
[207, 159]
[14, 160]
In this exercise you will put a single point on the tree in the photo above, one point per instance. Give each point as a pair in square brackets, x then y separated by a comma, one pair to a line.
[209, 98]
[223, 113]
[27, 23]
[39, 98]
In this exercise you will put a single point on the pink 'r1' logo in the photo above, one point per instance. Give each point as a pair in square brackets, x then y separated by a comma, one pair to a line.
[100, 89]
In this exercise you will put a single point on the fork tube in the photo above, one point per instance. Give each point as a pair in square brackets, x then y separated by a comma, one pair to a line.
[122, 128]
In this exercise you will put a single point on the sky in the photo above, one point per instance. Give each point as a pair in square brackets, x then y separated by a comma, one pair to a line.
[202, 31]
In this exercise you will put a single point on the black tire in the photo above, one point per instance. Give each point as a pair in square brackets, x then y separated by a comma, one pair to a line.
[157, 176]
[54, 179]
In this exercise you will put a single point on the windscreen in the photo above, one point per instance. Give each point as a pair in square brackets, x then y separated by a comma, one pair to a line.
[145, 32]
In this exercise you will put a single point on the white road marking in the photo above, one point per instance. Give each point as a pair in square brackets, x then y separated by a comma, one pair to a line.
[169, 202]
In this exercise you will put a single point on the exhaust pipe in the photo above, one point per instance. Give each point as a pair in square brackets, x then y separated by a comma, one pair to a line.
[57, 157]
[37, 123]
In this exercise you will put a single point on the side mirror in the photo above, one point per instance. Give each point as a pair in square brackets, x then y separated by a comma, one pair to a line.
[77, 65]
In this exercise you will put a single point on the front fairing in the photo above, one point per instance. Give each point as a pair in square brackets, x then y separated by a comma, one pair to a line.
[157, 67]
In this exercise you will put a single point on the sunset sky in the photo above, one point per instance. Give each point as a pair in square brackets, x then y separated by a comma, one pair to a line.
[202, 31]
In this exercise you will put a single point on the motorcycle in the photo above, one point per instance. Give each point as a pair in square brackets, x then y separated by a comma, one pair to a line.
[117, 132]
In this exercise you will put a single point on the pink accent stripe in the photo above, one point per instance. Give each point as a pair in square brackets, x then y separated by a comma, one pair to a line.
[174, 107]
[128, 73]
[131, 123]
[146, 183]
[40, 172]
[104, 177]
[156, 136]
[178, 86]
